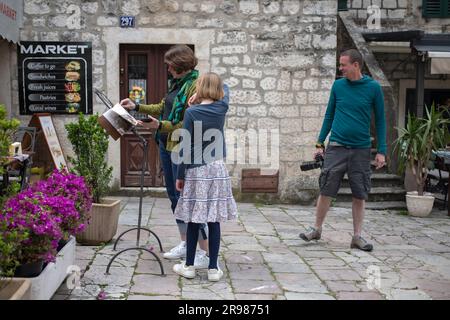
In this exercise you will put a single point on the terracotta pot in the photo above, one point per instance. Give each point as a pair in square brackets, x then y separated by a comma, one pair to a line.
[103, 224]
[419, 206]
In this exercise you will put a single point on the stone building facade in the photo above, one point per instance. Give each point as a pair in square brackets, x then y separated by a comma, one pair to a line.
[277, 56]
[395, 59]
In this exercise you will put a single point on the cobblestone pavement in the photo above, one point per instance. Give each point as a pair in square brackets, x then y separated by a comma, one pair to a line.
[263, 258]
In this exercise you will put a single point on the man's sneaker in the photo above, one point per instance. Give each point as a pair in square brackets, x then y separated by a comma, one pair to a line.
[311, 234]
[201, 260]
[185, 271]
[359, 242]
[215, 274]
[177, 252]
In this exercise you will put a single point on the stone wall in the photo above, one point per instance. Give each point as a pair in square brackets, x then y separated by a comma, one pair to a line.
[399, 15]
[278, 57]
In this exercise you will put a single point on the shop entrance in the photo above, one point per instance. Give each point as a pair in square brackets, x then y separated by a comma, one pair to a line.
[143, 76]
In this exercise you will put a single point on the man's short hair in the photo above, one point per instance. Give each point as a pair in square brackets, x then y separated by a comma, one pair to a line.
[354, 56]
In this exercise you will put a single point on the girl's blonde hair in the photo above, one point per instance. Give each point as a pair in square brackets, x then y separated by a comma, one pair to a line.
[209, 86]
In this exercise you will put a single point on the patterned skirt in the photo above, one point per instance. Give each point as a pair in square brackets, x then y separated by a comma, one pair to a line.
[207, 195]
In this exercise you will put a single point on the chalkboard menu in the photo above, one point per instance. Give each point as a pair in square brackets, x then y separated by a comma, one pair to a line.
[55, 77]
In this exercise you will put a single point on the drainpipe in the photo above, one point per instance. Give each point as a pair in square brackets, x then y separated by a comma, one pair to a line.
[420, 83]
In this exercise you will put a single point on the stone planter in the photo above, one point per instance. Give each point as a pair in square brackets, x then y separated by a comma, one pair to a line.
[419, 206]
[103, 224]
[45, 285]
[15, 289]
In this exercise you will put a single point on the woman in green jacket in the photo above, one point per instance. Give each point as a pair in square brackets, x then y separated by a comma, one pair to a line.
[181, 63]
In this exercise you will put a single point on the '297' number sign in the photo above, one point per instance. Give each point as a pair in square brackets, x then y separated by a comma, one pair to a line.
[127, 21]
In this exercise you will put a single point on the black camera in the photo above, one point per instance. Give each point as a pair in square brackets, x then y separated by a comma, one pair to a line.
[310, 165]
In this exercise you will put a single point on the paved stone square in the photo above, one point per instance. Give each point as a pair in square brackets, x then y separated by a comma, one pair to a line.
[263, 257]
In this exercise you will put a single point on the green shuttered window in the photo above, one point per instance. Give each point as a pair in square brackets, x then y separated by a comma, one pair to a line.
[342, 5]
[436, 8]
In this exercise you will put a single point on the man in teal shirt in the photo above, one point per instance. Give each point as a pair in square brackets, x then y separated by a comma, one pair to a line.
[353, 98]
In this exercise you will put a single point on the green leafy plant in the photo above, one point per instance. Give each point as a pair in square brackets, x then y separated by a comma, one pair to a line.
[7, 129]
[90, 145]
[10, 241]
[416, 142]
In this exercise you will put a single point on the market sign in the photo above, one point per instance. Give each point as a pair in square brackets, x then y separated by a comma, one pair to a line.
[11, 13]
[55, 77]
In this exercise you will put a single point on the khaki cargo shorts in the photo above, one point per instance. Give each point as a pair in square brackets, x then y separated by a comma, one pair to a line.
[339, 160]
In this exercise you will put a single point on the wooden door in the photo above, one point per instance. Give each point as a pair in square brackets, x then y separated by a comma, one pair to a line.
[142, 66]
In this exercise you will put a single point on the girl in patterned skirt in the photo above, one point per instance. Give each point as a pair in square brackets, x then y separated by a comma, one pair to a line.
[203, 180]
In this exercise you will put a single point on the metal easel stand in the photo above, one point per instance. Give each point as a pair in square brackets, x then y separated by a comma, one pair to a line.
[139, 228]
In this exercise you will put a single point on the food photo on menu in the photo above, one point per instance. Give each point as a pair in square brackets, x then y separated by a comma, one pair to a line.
[72, 87]
[73, 66]
[73, 97]
[72, 76]
[73, 107]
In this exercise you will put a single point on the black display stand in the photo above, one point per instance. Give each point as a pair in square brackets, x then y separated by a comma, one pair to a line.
[144, 142]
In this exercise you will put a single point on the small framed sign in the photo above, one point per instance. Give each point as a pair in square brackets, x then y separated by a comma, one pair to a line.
[127, 21]
[46, 131]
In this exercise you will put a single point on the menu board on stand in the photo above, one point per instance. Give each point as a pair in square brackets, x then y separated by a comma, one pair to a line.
[55, 77]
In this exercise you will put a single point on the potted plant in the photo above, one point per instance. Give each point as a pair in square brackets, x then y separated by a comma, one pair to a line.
[74, 208]
[90, 145]
[33, 215]
[415, 144]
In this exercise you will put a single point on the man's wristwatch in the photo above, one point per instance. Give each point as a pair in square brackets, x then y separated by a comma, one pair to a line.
[136, 106]
[320, 145]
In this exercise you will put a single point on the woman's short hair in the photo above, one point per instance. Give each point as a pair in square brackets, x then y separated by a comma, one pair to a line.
[181, 58]
[209, 86]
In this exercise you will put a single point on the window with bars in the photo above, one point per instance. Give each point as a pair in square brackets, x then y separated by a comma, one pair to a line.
[436, 8]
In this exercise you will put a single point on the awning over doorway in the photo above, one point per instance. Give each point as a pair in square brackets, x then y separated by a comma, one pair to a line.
[440, 62]
[437, 48]
[433, 47]
[11, 13]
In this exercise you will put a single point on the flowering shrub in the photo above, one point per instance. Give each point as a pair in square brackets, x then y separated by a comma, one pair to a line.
[72, 188]
[32, 214]
[35, 220]
[64, 209]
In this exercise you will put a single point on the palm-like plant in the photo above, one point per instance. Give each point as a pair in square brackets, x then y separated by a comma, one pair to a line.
[416, 142]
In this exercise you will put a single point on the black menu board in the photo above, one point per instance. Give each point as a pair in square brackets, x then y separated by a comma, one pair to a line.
[55, 77]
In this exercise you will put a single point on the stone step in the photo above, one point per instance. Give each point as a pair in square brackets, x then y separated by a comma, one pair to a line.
[376, 194]
[376, 205]
[379, 180]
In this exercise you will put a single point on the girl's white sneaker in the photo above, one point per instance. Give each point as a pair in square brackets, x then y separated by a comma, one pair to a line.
[214, 274]
[185, 271]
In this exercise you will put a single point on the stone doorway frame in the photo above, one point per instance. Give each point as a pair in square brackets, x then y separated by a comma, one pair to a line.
[113, 37]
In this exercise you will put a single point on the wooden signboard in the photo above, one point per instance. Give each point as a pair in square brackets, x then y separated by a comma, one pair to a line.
[46, 131]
